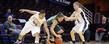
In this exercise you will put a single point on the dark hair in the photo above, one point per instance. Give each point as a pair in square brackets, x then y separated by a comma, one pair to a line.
[60, 14]
[42, 11]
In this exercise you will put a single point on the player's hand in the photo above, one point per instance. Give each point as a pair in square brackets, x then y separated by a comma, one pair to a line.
[48, 42]
[59, 36]
[22, 10]
[65, 17]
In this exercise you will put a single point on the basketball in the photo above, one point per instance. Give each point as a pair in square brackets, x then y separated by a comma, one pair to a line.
[58, 40]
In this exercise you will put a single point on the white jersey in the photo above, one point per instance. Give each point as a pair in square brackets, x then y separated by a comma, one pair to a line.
[37, 20]
[31, 26]
[79, 20]
[81, 23]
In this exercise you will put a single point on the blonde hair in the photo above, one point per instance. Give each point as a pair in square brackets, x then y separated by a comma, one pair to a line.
[77, 3]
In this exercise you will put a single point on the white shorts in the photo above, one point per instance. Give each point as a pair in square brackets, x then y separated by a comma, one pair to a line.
[78, 28]
[29, 27]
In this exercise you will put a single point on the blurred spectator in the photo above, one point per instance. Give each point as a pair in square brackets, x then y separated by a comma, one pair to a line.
[10, 27]
[100, 31]
[11, 31]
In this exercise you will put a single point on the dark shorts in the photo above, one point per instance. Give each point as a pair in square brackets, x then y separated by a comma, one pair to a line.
[58, 28]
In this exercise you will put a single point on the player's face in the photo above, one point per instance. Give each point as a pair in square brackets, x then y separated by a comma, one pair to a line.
[42, 15]
[60, 19]
[76, 6]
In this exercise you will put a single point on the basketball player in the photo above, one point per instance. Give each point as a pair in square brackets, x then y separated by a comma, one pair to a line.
[81, 22]
[33, 24]
[55, 29]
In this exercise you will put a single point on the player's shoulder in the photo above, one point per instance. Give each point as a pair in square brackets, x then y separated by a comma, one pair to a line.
[80, 9]
[37, 13]
[45, 19]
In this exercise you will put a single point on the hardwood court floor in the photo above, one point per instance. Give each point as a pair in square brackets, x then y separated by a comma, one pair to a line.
[91, 42]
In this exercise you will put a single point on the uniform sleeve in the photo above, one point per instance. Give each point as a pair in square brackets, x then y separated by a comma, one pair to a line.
[45, 20]
[37, 13]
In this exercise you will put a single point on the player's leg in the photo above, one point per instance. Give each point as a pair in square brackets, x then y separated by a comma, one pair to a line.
[35, 33]
[82, 37]
[25, 30]
[72, 33]
[81, 34]
[37, 38]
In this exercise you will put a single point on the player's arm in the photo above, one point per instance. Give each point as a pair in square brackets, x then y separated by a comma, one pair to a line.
[28, 11]
[53, 26]
[71, 18]
[46, 29]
